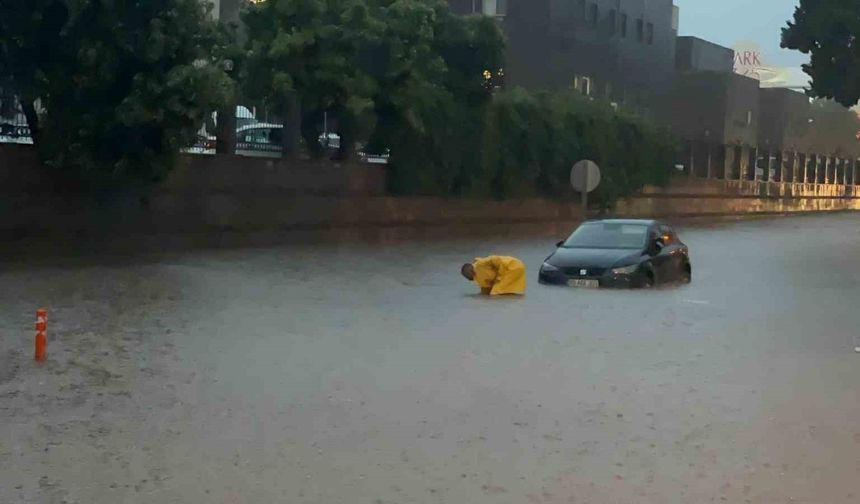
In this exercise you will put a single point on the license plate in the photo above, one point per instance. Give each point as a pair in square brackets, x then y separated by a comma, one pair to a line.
[583, 284]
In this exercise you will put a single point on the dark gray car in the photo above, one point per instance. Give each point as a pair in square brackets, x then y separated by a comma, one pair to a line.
[619, 253]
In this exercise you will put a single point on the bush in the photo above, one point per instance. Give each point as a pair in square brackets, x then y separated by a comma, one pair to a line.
[522, 144]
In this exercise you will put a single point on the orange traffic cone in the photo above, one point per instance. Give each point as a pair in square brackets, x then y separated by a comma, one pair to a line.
[41, 335]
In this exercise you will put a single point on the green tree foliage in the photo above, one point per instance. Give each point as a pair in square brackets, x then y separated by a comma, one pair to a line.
[834, 128]
[123, 85]
[531, 141]
[313, 49]
[828, 31]
[432, 93]
[29, 41]
[413, 74]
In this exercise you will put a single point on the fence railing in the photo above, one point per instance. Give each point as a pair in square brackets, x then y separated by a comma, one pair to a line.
[259, 133]
[13, 122]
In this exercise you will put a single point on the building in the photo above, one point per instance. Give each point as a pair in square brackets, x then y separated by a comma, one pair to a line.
[628, 52]
[620, 50]
[806, 142]
[714, 111]
[695, 54]
[732, 128]
[496, 8]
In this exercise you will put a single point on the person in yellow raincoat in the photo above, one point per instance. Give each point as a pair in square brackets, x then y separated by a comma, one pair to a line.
[497, 275]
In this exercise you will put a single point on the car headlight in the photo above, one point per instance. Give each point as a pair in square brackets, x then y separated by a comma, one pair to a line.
[626, 270]
[549, 268]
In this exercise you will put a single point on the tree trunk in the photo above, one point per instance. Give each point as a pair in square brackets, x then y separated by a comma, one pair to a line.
[29, 108]
[225, 130]
[311, 133]
[292, 127]
[347, 141]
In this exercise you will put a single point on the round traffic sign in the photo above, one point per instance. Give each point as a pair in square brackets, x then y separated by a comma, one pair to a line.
[585, 176]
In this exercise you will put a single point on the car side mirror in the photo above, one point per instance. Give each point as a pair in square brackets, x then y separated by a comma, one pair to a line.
[559, 244]
[655, 246]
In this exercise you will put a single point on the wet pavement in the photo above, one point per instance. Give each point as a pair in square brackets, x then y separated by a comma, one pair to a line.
[368, 374]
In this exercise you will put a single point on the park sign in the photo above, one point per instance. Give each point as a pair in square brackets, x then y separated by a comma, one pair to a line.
[750, 61]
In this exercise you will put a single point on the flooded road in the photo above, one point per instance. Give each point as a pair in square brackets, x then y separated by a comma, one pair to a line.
[367, 374]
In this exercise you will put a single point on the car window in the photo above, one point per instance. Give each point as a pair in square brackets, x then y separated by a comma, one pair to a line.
[608, 235]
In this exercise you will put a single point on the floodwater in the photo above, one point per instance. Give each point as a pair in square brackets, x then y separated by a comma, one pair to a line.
[369, 374]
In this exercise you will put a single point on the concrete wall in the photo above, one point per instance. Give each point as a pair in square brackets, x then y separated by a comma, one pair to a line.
[212, 194]
[714, 107]
[215, 196]
[695, 107]
[20, 171]
[695, 54]
[785, 121]
[702, 198]
[742, 112]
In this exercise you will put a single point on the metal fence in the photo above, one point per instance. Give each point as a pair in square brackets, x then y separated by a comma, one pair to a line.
[259, 133]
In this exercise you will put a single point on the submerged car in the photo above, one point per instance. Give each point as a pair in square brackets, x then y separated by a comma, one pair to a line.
[619, 253]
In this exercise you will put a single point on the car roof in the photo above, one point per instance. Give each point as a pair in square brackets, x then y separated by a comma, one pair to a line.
[643, 222]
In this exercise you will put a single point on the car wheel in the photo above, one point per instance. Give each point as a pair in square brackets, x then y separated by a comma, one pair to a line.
[687, 274]
[649, 281]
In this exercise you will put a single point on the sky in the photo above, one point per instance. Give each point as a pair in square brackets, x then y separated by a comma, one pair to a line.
[729, 21]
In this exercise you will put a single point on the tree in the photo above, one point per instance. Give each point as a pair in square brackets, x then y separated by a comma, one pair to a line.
[29, 43]
[307, 51]
[387, 69]
[432, 95]
[828, 30]
[123, 85]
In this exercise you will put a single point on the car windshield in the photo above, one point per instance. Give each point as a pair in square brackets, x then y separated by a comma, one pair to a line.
[608, 235]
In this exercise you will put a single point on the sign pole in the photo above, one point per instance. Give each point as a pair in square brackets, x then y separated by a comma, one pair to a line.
[585, 177]
[585, 195]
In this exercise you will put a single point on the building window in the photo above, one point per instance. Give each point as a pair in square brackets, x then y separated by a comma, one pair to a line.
[613, 22]
[640, 30]
[490, 7]
[593, 15]
[501, 7]
[582, 85]
[650, 33]
[623, 25]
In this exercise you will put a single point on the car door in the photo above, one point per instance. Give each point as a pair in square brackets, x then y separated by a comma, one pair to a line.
[674, 252]
[657, 256]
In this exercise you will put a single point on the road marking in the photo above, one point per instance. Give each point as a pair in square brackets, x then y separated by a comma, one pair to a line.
[696, 301]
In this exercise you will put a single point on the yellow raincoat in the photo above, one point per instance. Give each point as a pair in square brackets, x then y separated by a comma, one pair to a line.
[499, 275]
